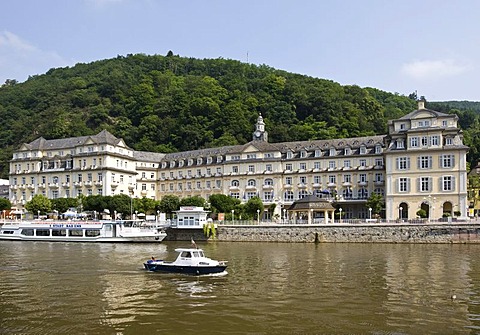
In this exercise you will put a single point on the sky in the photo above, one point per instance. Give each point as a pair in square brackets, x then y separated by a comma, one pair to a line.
[431, 47]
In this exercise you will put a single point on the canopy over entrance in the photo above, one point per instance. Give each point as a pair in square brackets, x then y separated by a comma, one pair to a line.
[308, 206]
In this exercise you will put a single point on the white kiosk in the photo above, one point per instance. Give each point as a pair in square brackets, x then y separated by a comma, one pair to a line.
[190, 217]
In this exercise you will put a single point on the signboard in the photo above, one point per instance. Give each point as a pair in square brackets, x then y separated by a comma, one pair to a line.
[221, 216]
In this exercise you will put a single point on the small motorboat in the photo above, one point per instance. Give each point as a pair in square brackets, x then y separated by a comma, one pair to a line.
[189, 261]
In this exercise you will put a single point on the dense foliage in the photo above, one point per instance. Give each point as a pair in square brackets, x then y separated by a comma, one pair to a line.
[171, 103]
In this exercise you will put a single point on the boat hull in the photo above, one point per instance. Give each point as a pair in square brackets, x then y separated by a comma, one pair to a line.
[190, 270]
[142, 239]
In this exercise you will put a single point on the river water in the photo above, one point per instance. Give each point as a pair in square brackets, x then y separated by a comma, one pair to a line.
[270, 288]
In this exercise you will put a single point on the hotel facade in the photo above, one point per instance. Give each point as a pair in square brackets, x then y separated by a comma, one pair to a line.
[419, 164]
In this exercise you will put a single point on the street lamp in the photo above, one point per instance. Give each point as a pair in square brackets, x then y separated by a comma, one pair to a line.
[370, 213]
[431, 202]
[258, 216]
[401, 212]
[233, 216]
[340, 209]
[115, 215]
[158, 214]
[38, 215]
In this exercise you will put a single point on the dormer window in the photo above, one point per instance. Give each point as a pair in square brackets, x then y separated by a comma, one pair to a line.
[164, 165]
[333, 152]
[219, 159]
[289, 155]
[190, 162]
[378, 149]
[400, 143]
[303, 154]
[363, 150]
[347, 151]
[402, 126]
[209, 160]
[318, 153]
[172, 164]
[199, 160]
[180, 163]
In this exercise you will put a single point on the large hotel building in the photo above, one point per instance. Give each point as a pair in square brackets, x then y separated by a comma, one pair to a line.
[419, 164]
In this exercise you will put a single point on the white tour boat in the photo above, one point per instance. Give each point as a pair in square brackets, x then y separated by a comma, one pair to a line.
[82, 231]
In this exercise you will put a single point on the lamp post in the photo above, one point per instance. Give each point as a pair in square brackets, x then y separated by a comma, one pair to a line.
[370, 213]
[401, 213]
[115, 215]
[258, 216]
[340, 210]
[430, 201]
[285, 219]
[233, 216]
[156, 218]
[136, 214]
[38, 215]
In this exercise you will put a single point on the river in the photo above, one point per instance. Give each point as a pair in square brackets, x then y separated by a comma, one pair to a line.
[270, 288]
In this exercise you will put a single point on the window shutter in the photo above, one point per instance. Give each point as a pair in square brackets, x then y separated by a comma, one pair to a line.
[408, 163]
[440, 183]
[430, 162]
[453, 183]
[453, 160]
[408, 184]
[418, 163]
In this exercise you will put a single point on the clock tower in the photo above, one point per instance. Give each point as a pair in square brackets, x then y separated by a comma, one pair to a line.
[260, 134]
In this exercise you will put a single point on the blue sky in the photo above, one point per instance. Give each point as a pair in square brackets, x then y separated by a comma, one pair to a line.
[430, 46]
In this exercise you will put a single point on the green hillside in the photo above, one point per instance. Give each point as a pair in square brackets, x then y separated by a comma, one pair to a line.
[171, 103]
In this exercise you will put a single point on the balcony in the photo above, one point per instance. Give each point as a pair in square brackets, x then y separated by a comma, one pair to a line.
[301, 185]
[98, 183]
[78, 184]
[287, 186]
[88, 183]
[41, 185]
[31, 186]
[363, 183]
[14, 187]
[66, 184]
[53, 185]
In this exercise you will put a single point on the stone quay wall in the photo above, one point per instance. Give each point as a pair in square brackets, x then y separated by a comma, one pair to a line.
[358, 233]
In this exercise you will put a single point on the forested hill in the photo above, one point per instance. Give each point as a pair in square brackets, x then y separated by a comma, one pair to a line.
[171, 103]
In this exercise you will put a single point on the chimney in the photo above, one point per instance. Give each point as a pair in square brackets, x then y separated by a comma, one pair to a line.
[421, 104]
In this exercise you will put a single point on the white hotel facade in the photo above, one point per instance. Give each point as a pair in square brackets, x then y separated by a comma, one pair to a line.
[420, 163]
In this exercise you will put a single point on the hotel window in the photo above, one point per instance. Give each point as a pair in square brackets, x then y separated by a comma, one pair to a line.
[235, 183]
[268, 155]
[89, 177]
[235, 158]
[252, 182]
[23, 180]
[447, 161]
[424, 140]
[400, 143]
[199, 186]
[209, 160]
[444, 123]
[316, 165]
[32, 180]
[190, 162]
[288, 181]
[378, 161]
[303, 180]
[302, 194]
[378, 149]
[288, 167]
[425, 184]
[189, 185]
[347, 151]
[251, 195]
[363, 150]
[79, 177]
[318, 153]
[44, 179]
[162, 187]
[332, 179]
[218, 183]
[435, 140]
[403, 185]
[251, 168]
[362, 177]
[170, 186]
[363, 162]
[235, 169]
[121, 179]
[332, 152]
[199, 161]
[403, 163]
[268, 182]
[209, 172]
[402, 126]
[424, 162]
[152, 187]
[317, 179]
[251, 156]
[208, 185]
[268, 167]
[180, 174]
[414, 142]
[448, 183]
[347, 163]
[288, 196]
[378, 177]
[268, 196]
[235, 195]
[303, 154]
[289, 155]
[180, 187]
[303, 166]
[143, 174]
[449, 141]
[347, 178]
[199, 172]
[331, 164]
[144, 187]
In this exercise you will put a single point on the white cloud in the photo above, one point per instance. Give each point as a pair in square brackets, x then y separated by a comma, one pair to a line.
[20, 59]
[433, 69]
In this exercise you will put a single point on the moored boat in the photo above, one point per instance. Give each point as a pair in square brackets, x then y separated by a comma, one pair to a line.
[82, 231]
[189, 261]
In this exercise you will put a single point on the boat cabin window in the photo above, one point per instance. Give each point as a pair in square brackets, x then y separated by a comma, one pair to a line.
[75, 232]
[186, 254]
[8, 232]
[92, 232]
[43, 232]
[59, 232]
[27, 232]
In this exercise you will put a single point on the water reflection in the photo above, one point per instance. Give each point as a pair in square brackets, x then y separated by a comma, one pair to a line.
[270, 288]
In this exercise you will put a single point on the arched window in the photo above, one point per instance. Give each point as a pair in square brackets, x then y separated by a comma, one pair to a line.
[268, 182]
[235, 183]
[251, 182]
[288, 196]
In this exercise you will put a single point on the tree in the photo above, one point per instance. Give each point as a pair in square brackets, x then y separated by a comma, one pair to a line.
[63, 204]
[253, 206]
[39, 203]
[169, 204]
[5, 204]
[193, 201]
[221, 203]
[376, 203]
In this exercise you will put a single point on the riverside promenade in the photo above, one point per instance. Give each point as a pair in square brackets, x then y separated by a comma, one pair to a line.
[381, 232]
